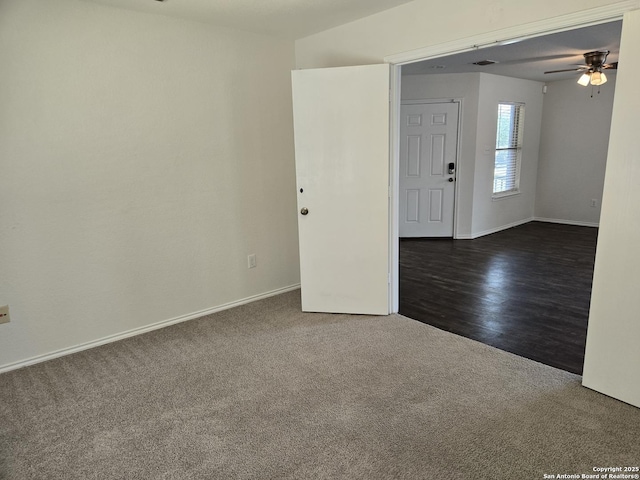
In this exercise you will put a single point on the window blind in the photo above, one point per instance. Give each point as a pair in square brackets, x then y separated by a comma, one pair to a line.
[506, 175]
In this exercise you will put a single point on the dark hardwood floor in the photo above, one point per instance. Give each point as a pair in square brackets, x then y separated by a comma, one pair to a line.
[525, 290]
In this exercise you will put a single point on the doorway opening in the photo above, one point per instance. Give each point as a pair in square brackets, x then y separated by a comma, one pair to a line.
[494, 277]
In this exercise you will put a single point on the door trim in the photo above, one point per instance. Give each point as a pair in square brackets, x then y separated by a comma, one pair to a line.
[585, 18]
[395, 85]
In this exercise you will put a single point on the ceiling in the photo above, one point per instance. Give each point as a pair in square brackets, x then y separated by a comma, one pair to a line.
[294, 19]
[283, 18]
[529, 59]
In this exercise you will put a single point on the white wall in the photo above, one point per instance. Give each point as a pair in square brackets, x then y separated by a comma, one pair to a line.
[142, 159]
[490, 215]
[612, 358]
[478, 213]
[573, 150]
[464, 86]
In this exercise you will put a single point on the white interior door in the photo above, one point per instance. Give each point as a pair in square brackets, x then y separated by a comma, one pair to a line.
[612, 356]
[428, 143]
[341, 124]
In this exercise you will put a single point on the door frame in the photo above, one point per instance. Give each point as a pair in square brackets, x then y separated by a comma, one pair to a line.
[586, 18]
[459, 167]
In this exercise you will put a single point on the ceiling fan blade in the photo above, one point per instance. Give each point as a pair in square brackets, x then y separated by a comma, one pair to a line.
[613, 66]
[569, 70]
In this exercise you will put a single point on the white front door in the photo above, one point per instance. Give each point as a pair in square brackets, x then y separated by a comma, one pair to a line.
[341, 125]
[428, 143]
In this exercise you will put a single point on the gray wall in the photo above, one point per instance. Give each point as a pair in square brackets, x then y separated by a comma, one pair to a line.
[490, 215]
[570, 163]
[573, 151]
[477, 212]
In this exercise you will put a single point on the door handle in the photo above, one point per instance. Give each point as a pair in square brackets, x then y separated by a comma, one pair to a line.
[451, 179]
[304, 210]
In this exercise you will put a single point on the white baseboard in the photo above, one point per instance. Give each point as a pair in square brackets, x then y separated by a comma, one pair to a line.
[566, 222]
[494, 230]
[140, 330]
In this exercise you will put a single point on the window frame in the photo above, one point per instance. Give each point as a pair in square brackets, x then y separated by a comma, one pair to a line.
[517, 122]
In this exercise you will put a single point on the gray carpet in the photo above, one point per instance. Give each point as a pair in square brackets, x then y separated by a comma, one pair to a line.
[264, 391]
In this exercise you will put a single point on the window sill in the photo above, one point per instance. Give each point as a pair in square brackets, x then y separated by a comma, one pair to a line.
[500, 196]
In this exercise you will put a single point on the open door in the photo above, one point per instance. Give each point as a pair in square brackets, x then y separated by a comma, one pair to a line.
[612, 356]
[341, 123]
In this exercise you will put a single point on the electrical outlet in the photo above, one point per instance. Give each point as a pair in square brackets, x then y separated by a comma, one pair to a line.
[4, 314]
[594, 202]
[251, 260]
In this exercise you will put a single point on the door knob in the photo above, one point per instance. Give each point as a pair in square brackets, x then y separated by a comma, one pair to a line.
[304, 210]
[451, 179]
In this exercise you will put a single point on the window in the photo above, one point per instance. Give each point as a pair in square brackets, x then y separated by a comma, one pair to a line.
[506, 173]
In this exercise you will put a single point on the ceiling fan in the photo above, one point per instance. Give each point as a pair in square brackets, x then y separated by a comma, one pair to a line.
[592, 72]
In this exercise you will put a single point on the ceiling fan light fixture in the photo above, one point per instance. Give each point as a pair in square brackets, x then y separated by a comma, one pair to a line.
[598, 78]
[584, 79]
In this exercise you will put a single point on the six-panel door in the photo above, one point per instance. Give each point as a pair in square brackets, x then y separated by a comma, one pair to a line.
[428, 142]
